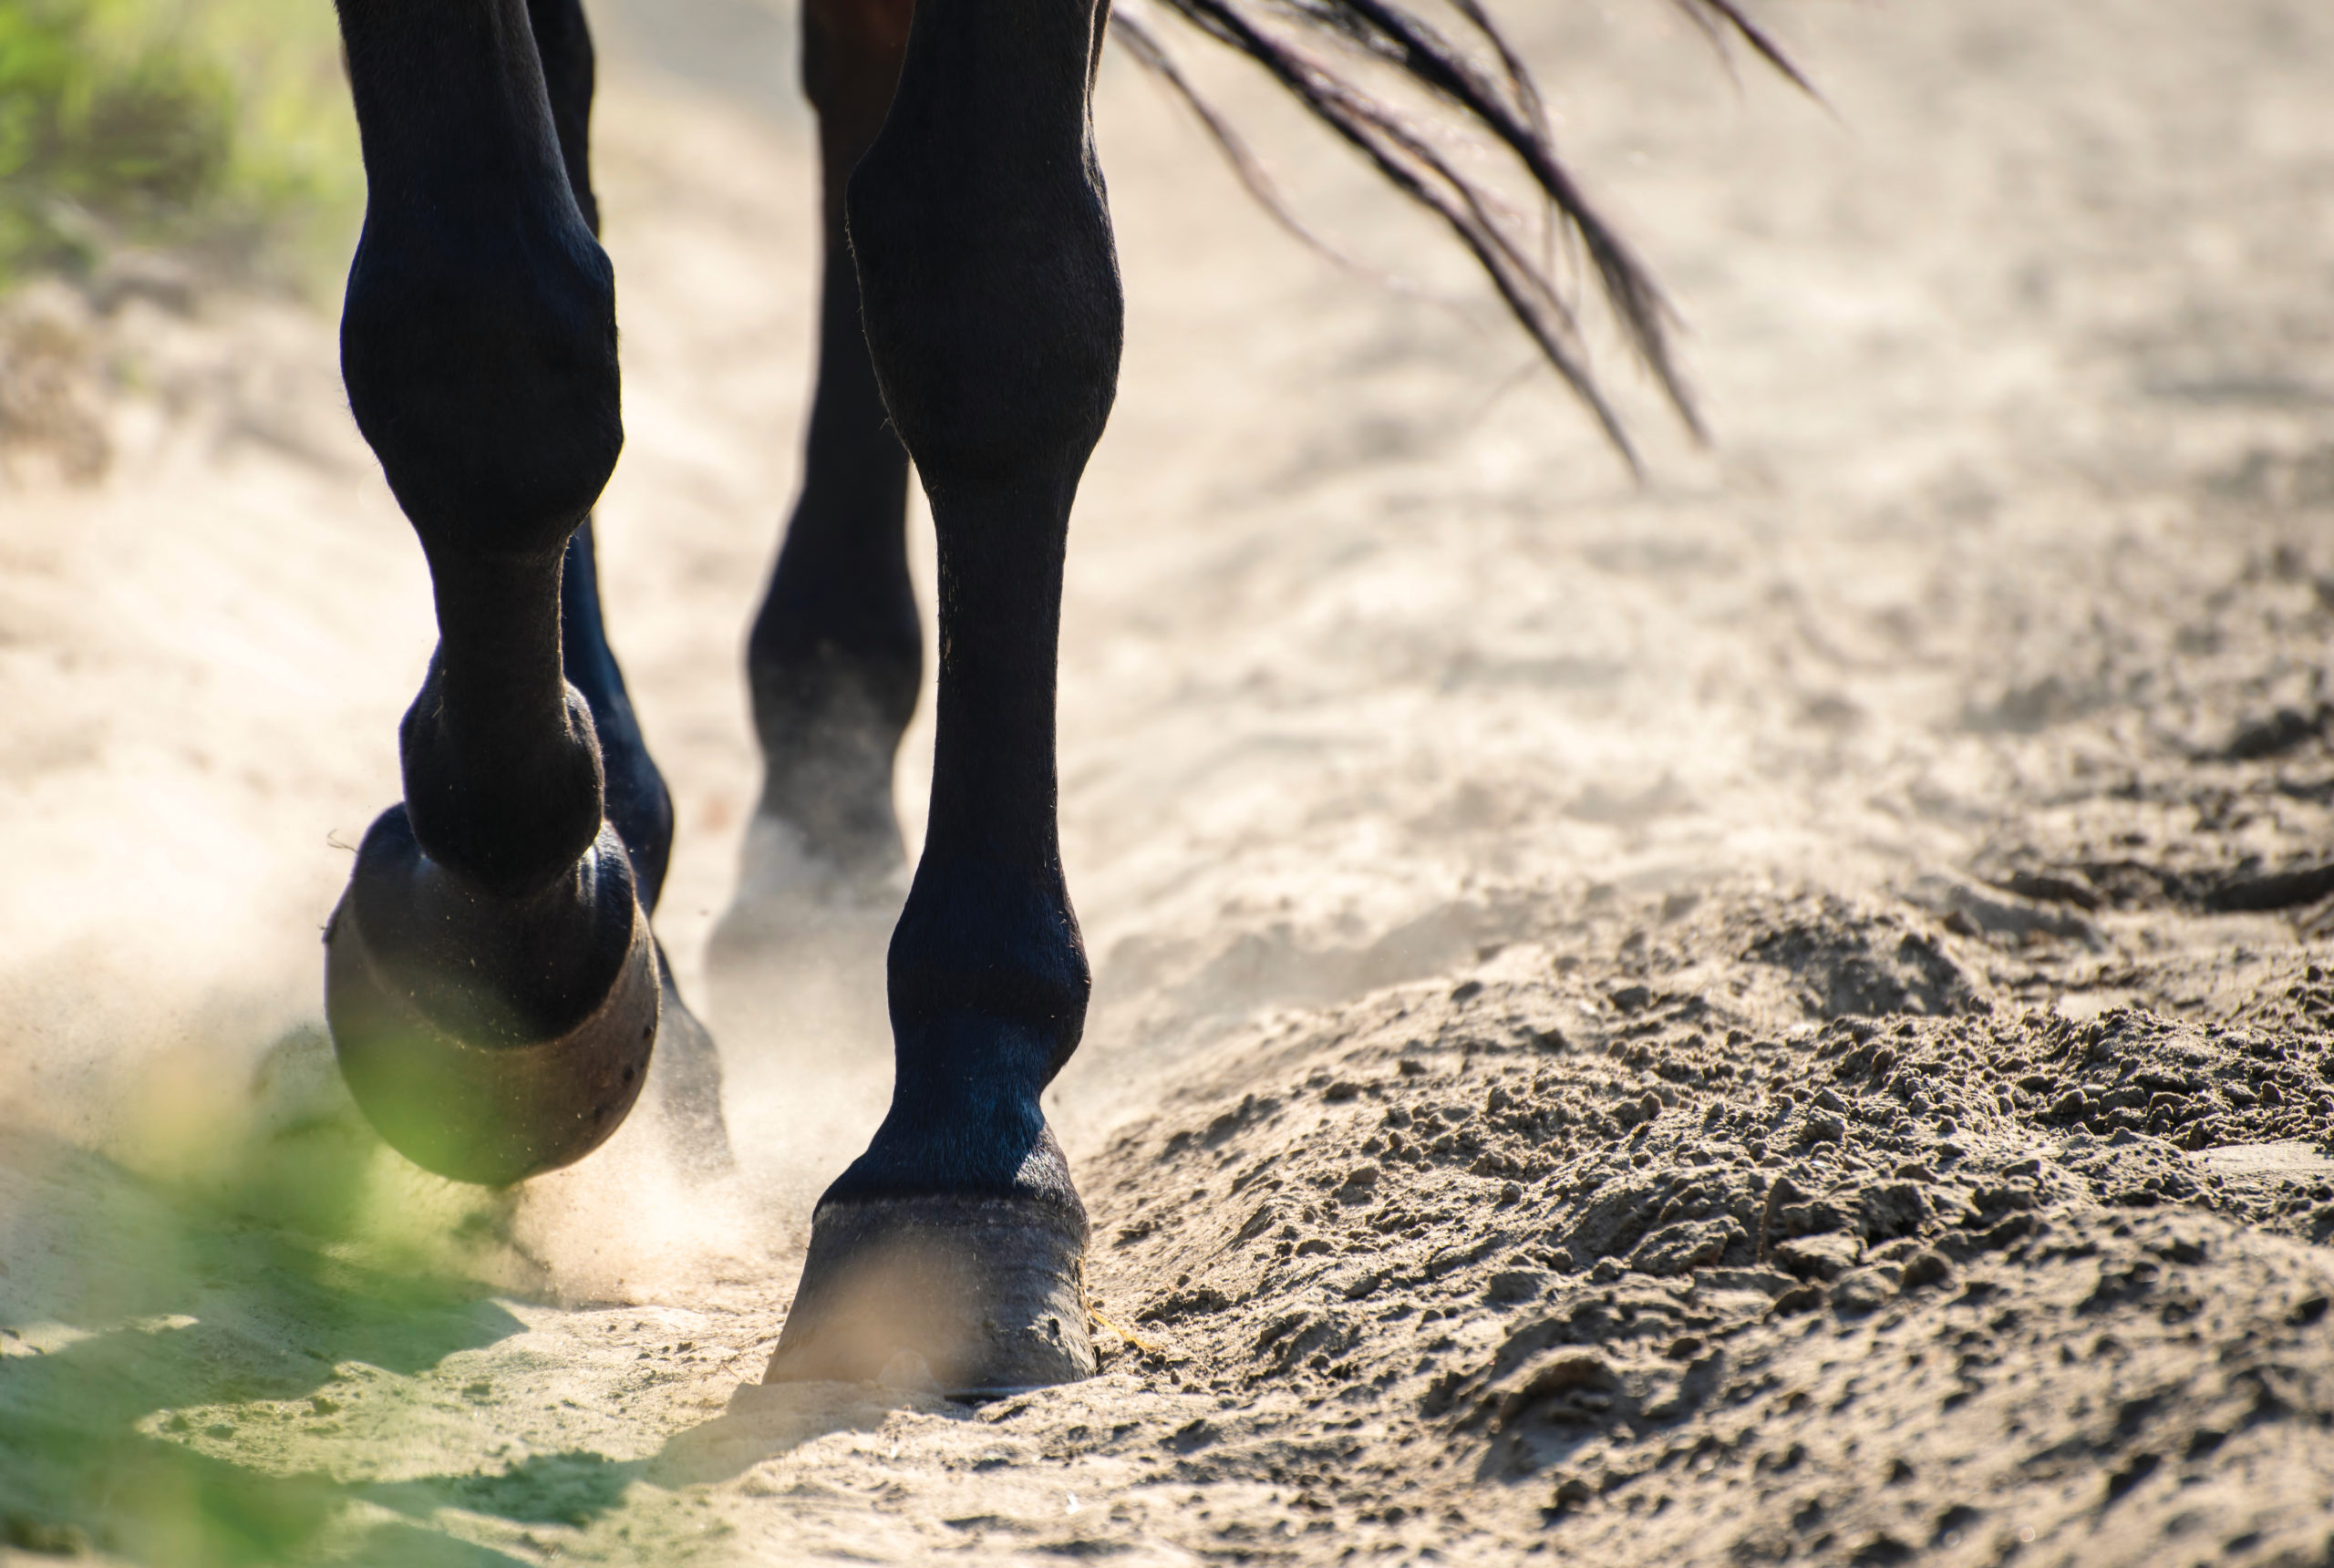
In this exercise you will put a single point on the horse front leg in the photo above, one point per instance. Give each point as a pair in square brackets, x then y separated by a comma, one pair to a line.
[993, 313]
[490, 976]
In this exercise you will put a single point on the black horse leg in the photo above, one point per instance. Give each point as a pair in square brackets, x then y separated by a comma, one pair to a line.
[685, 1079]
[638, 805]
[836, 656]
[687, 1073]
[993, 313]
[491, 979]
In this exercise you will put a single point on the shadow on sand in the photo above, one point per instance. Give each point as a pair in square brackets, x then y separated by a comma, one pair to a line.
[766, 1420]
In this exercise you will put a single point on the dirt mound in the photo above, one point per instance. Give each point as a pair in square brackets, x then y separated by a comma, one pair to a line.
[1647, 1273]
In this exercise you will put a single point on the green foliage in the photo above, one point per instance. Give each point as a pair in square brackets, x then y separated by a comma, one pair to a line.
[142, 1330]
[218, 126]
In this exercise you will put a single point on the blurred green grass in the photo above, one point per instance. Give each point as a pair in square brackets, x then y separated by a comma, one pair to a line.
[235, 1354]
[219, 130]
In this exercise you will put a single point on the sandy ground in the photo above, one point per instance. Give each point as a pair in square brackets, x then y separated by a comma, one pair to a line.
[1778, 1016]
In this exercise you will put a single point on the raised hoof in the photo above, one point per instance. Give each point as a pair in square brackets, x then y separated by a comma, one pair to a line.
[480, 1104]
[980, 1297]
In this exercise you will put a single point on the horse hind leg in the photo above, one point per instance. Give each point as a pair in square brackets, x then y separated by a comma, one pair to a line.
[834, 663]
[684, 1077]
[992, 314]
[491, 983]
[836, 655]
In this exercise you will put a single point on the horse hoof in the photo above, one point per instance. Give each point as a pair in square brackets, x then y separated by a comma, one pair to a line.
[460, 1086]
[985, 1296]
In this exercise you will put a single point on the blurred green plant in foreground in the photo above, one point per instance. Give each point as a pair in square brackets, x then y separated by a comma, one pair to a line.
[220, 129]
[262, 1345]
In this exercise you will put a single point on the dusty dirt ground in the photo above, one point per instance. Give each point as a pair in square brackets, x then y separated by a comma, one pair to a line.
[1780, 1015]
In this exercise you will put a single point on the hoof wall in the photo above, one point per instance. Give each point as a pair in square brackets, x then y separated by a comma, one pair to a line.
[492, 1112]
[974, 1296]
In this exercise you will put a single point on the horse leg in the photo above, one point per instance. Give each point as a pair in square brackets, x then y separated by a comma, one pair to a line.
[990, 294]
[490, 976]
[684, 1077]
[686, 1074]
[836, 656]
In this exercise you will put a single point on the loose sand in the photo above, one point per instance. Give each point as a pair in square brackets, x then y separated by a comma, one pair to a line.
[1780, 1015]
